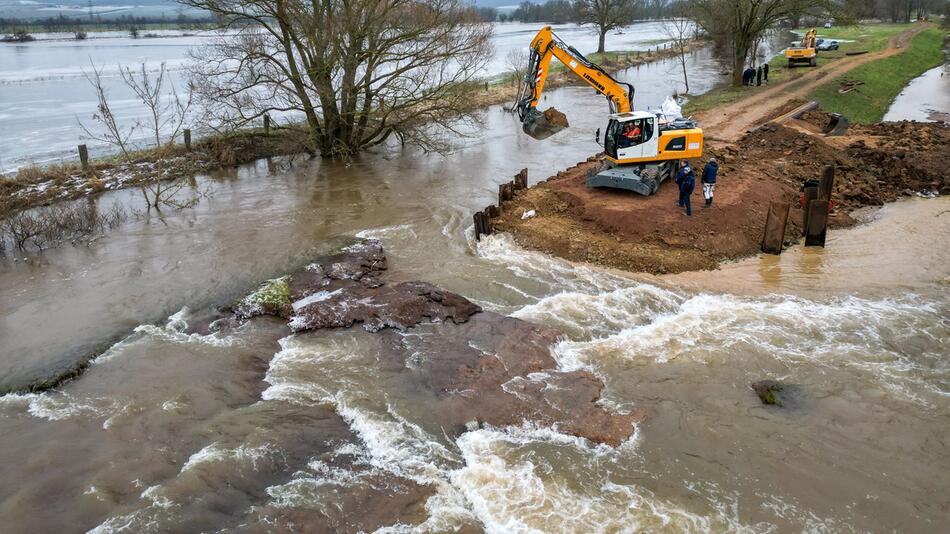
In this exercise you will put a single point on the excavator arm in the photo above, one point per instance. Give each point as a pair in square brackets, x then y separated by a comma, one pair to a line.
[544, 47]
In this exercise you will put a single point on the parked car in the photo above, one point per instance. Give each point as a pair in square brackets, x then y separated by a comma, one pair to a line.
[828, 45]
[828, 24]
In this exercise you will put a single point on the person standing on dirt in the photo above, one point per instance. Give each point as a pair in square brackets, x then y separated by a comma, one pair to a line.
[758, 76]
[709, 180]
[765, 73]
[686, 181]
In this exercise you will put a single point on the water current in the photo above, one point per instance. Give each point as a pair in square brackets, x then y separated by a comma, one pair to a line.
[176, 430]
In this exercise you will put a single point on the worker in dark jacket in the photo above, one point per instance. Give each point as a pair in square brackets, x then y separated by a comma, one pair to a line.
[765, 73]
[709, 180]
[758, 76]
[686, 181]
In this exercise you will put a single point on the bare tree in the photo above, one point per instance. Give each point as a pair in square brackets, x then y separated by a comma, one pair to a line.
[681, 31]
[167, 113]
[517, 62]
[606, 15]
[740, 23]
[356, 71]
[111, 132]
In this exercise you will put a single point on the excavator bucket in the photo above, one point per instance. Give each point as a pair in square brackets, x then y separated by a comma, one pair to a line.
[838, 125]
[543, 125]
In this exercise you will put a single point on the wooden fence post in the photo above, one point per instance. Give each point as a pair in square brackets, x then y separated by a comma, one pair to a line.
[266, 124]
[775, 222]
[521, 180]
[826, 185]
[505, 193]
[84, 157]
[187, 134]
[483, 224]
[811, 194]
[817, 223]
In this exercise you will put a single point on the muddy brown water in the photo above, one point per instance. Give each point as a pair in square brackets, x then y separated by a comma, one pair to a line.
[171, 430]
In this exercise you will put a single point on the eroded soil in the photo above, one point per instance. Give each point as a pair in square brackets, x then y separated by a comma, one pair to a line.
[620, 229]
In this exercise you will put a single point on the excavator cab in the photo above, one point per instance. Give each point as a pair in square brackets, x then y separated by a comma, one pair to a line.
[631, 135]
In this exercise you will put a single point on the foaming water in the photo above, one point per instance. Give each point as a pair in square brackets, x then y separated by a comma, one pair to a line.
[175, 427]
[896, 249]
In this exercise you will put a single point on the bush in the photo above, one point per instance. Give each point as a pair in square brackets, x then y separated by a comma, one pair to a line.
[45, 227]
[18, 37]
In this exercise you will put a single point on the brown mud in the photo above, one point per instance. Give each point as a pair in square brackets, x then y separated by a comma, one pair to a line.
[474, 368]
[620, 229]
[482, 367]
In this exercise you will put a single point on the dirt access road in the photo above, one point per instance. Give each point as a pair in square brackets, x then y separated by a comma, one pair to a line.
[729, 122]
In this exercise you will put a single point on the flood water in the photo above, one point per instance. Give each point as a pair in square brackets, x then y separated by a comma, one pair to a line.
[44, 94]
[926, 98]
[176, 431]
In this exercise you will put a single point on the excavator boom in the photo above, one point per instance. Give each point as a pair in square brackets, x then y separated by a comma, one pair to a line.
[544, 47]
[641, 148]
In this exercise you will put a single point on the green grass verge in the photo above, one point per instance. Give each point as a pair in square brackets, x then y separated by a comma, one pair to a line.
[868, 37]
[883, 79]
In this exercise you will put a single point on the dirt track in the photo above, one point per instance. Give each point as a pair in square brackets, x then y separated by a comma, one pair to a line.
[730, 122]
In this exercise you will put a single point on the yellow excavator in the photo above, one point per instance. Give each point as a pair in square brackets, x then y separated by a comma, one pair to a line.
[642, 148]
[805, 51]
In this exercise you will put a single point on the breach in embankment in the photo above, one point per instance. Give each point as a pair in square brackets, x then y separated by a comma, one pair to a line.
[614, 228]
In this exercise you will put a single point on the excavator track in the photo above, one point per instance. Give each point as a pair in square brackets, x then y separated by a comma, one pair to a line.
[644, 181]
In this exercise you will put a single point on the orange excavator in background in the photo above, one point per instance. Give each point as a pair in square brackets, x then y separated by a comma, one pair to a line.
[642, 148]
[805, 51]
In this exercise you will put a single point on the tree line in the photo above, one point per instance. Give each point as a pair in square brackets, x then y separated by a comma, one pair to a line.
[846, 11]
[62, 23]
[350, 75]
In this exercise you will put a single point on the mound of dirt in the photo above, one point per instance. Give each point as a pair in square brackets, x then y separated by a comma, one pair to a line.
[481, 367]
[620, 229]
[555, 117]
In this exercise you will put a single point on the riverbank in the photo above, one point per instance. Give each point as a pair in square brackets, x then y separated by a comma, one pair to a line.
[35, 186]
[727, 112]
[877, 84]
[620, 229]
[875, 164]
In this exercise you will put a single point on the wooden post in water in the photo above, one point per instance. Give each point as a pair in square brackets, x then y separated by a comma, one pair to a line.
[817, 223]
[775, 223]
[521, 180]
[505, 193]
[482, 224]
[266, 124]
[478, 220]
[826, 185]
[811, 193]
[186, 133]
[84, 157]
